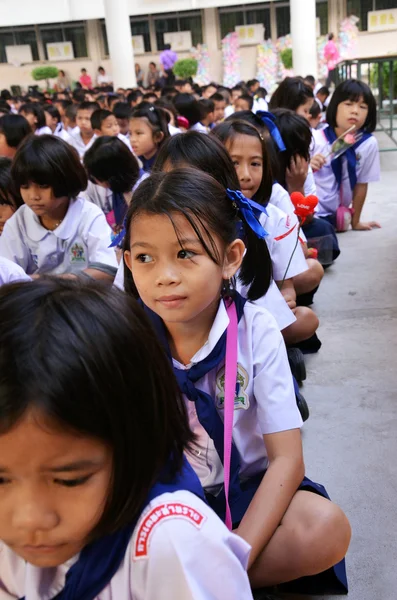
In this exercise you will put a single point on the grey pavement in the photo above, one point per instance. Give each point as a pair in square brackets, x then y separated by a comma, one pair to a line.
[350, 440]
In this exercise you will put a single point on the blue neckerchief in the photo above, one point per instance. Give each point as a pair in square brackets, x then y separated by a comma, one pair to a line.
[117, 241]
[147, 163]
[250, 211]
[99, 561]
[270, 121]
[205, 404]
[350, 155]
[119, 207]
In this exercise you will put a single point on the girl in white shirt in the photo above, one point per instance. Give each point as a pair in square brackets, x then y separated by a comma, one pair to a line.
[183, 249]
[96, 498]
[35, 116]
[55, 231]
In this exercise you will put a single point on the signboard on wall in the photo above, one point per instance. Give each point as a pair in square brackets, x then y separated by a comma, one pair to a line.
[250, 34]
[382, 20]
[60, 51]
[138, 43]
[18, 55]
[179, 40]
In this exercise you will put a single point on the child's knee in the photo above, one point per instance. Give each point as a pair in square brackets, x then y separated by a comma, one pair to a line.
[307, 319]
[316, 271]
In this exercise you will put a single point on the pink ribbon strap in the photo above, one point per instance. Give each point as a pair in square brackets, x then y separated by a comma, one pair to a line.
[230, 390]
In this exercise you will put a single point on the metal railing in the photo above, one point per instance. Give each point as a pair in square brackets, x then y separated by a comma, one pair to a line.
[380, 74]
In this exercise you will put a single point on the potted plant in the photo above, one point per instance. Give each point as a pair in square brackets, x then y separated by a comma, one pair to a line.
[185, 68]
[286, 58]
[45, 72]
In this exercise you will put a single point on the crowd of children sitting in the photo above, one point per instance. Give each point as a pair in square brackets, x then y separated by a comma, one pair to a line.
[118, 455]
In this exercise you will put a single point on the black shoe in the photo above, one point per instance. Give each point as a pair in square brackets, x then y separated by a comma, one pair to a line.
[263, 594]
[309, 346]
[306, 299]
[297, 363]
[302, 406]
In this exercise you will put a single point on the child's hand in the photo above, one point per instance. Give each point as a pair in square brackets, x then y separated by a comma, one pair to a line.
[366, 226]
[317, 162]
[290, 301]
[296, 173]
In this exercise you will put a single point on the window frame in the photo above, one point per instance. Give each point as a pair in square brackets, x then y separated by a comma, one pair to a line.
[64, 28]
[20, 29]
[182, 14]
[244, 8]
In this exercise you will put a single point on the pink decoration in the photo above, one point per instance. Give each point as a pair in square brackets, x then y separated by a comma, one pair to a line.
[348, 38]
[267, 65]
[200, 53]
[231, 59]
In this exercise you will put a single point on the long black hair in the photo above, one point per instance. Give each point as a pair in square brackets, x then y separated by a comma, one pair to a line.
[205, 205]
[86, 359]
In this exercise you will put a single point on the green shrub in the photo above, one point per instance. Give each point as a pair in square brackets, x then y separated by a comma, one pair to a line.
[286, 58]
[185, 68]
[45, 72]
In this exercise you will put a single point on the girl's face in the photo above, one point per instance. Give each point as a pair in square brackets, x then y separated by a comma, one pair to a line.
[304, 109]
[143, 141]
[41, 200]
[350, 112]
[50, 121]
[247, 157]
[53, 489]
[179, 284]
[110, 126]
[6, 211]
[31, 119]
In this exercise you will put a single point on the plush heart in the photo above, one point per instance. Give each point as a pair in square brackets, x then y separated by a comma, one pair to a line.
[303, 206]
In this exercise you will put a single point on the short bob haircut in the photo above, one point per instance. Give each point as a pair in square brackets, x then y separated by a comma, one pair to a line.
[34, 108]
[353, 90]
[15, 129]
[108, 379]
[188, 107]
[156, 117]
[110, 161]
[98, 117]
[291, 93]
[48, 160]
[228, 131]
[203, 202]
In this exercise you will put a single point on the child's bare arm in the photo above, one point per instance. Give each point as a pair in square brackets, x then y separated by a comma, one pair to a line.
[317, 161]
[359, 195]
[288, 292]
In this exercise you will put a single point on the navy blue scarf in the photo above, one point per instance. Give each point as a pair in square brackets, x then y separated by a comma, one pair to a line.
[147, 163]
[350, 155]
[99, 561]
[205, 404]
[119, 207]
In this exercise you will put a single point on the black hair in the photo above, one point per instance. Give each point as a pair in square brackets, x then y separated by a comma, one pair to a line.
[167, 46]
[323, 90]
[149, 95]
[98, 117]
[229, 131]
[212, 84]
[297, 137]
[53, 111]
[168, 107]
[79, 95]
[248, 99]
[134, 96]
[100, 69]
[122, 110]
[109, 160]
[48, 160]
[156, 118]
[205, 205]
[15, 128]
[217, 97]
[34, 108]
[261, 92]
[188, 107]
[180, 82]
[102, 98]
[291, 93]
[63, 103]
[8, 195]
[238, 87]
[331, 36]
[83, 357]
[169, 91]
[83, 70]
[252, 82]
[353, 90]
[152, 63]
[71, 111]
[88, 105]
[310, 79]
[5, 94]
[315, 110]
[4, 107]
[207, 106]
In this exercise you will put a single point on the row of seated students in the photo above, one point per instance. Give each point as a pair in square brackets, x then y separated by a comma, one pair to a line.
[199, 228]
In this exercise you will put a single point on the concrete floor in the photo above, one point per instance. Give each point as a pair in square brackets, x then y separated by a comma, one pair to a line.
[350, 440]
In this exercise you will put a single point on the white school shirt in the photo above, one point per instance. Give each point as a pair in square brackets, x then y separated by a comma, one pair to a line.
[367, 170]
[61, 132]
[199, 127]
[173, 130]
[179, 550]
[125, 139]
[11, 272]
[266, 399]
[103, 197]
[273, 301]
[283, 231]
[73, 130]
[81, 147]
[43, 131]
[81, 239]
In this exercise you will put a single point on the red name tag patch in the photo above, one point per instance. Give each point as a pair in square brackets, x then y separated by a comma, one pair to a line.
[160, 514]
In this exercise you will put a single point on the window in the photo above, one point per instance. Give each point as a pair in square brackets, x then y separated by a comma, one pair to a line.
[190, 21]
[322, 14]
[142, 28]
[229, 18]
[283, 20]
[18, 36]
[66, 32]
[360, 8]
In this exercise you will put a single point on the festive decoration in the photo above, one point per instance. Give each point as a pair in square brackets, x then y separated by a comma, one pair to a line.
[348, 38]
[267, 65]
[322, 70]
[304, 206]
[283, 43]
[200, 53]
[231, 59]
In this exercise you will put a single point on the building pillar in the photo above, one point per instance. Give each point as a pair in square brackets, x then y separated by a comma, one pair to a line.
[121, 52]
[303, 32]
[211, 30]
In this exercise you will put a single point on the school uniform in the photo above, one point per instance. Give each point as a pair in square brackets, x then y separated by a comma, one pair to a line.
[173, 130]
[11, 272]
[200, 127]
[166, 555]
[61, 132]
[82, 238]
[125, 139]
[367, 169]
[73, 130]
[43, 131]
[309, 187]
[81, 147]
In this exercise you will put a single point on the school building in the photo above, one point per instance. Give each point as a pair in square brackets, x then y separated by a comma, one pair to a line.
[73, 34]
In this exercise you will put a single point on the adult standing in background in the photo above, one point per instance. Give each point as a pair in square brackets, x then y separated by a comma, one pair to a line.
[168, 58]
[153, 75]
[331, 55]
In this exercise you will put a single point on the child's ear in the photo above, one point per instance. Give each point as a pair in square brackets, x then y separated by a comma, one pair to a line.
[158, 137]
[98, 132]
[127, 259]
[233, 258]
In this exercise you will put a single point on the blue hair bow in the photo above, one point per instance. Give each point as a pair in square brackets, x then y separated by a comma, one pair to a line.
[250, 211]
[270, 121]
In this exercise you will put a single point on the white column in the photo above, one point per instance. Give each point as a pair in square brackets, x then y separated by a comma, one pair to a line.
[303, 32]
[120, 45]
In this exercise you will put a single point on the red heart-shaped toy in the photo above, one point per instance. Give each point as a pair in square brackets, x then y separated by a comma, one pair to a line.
[304, 206]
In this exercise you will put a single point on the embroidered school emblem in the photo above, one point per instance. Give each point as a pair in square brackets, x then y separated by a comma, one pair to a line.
[77, 253]
[241, 399]
[158, 515]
